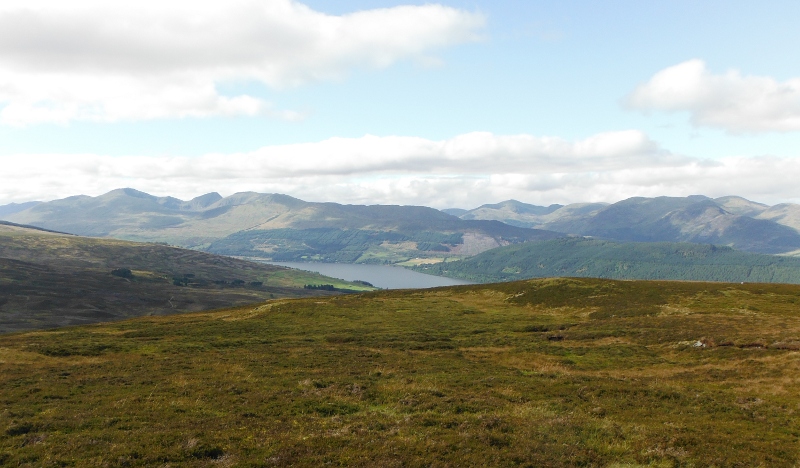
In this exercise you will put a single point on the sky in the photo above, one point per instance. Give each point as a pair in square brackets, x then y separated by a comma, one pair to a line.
[450, 104]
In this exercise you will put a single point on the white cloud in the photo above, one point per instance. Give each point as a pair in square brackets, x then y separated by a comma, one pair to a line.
[465, 171]
[729, 101]
[144, 59]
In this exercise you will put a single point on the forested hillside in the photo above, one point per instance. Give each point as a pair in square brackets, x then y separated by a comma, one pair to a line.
[581, 257]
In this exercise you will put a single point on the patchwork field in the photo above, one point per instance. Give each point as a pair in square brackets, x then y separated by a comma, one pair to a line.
[553, 372]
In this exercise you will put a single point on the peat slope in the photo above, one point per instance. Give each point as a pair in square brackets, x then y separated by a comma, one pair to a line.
[594, 258]
[49, 279]
[555, 372]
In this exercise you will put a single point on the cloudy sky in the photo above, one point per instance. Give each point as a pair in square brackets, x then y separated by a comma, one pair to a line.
[449, 104]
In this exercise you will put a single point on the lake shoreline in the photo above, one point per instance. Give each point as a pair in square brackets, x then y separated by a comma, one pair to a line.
[380, 276]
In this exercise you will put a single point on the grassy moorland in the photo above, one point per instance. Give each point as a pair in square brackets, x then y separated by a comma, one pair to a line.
[51, 279]
[553, 372]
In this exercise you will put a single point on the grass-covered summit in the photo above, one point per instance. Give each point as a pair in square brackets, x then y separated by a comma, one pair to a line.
[553, 372]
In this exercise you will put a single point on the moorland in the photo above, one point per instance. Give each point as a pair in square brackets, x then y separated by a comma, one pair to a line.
[552, 372]
[50, 279]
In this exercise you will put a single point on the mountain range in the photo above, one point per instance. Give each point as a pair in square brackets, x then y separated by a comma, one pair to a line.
[280, 227]
[731, 221]
[277, 226]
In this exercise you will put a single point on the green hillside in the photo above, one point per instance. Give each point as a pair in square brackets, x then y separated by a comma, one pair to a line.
[580, 257]
[558, 373]
[50, 279]
[368, 246]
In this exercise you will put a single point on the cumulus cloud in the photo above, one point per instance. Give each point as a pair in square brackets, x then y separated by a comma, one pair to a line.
[143, 59]
[465, 171]
[729, 101]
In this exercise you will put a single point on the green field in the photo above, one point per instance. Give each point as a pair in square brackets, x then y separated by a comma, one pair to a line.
[554, 372]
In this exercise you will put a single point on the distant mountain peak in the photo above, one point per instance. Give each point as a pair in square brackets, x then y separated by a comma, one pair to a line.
[741, 206]
[454, 211]
[516, 206]
[132, 193]
[203, 201]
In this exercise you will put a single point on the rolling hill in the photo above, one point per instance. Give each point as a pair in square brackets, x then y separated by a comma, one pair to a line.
[277, 226]
[49, 279]
[731, 221]
[582, 257]
[555, 373]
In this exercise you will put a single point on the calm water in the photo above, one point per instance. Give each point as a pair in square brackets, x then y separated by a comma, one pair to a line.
[382, 276]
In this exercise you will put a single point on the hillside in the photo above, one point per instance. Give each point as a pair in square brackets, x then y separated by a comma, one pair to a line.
[374, 246]
[49, 279]
[787, 214]
[11, 208]
[580, 257]
[258, 225]
[732, 221]
[566, 372]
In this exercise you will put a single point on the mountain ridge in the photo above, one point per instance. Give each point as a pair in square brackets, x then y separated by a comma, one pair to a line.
[247, 223]
[247, 217]
[733, 221]
[11, 208]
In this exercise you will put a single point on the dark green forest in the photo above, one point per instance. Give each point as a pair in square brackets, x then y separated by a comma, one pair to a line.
[582, 257]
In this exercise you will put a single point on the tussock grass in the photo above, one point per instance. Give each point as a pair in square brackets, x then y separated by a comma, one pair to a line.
[644, 374]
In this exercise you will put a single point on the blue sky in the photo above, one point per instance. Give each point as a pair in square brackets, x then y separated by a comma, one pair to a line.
[523, 90]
